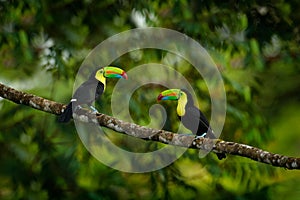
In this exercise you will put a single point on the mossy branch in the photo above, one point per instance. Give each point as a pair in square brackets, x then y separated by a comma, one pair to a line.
[218, 146]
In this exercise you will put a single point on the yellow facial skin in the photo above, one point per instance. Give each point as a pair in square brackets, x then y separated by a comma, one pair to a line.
[100, 77]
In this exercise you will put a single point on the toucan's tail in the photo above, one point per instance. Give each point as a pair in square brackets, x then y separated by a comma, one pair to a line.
[67, 114]
[221, 155]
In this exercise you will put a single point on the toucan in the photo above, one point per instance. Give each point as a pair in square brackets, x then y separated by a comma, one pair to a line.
[191, 117]
[91, 90]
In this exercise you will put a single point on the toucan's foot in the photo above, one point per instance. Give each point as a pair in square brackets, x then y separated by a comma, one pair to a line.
[94, 110]
[77, 108]
[201, 136]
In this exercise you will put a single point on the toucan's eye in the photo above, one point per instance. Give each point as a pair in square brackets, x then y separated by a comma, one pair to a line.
[101, 71]
[180, 93]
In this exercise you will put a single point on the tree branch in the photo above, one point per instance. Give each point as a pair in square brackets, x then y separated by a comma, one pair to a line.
[218, 146]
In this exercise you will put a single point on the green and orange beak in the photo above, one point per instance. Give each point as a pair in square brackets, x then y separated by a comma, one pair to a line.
[114, 72]
[171, 94]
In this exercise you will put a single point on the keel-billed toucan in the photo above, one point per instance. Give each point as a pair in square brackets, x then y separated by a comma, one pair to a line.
[91, 90]
[191, 117]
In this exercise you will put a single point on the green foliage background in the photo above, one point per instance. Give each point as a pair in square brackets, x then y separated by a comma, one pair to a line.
[255, 44]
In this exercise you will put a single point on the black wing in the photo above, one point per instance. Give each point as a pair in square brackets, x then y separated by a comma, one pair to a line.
[196, 121]
[194, 116]
[88, 92]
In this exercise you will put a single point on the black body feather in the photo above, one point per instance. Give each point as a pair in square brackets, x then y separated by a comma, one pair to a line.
[196, 121]
[86, 93]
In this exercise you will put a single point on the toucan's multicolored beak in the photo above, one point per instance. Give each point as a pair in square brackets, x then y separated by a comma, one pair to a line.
[171, 94]
[114, 72]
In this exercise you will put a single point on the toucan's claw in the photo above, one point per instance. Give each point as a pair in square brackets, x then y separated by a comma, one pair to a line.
[94, 110]
[201, 136]
[78, 107]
